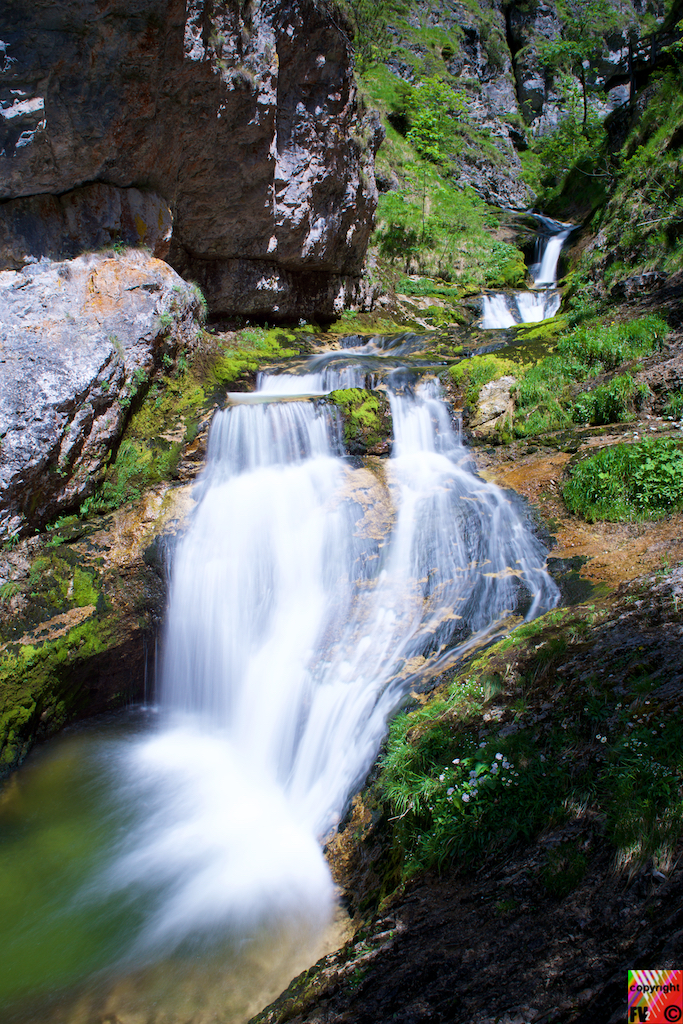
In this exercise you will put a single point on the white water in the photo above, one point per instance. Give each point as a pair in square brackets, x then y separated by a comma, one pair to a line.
[505, 309]
[548, 247]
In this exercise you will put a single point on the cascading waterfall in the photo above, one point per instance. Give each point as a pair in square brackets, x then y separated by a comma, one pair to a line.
[308, 594]
[505, 309]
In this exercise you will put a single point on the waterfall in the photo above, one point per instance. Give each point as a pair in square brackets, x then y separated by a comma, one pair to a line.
[505, 309]
[549, 244]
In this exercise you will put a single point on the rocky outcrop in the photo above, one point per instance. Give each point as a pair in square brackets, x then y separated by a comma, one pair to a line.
[478, 58]
[90, 218]
[78, 340]
[80, 609]
[543, 100]
[242, 119]
[365, 420]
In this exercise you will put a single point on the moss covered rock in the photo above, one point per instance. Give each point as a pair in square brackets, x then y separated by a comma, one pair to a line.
[80, 607]
[366, 420]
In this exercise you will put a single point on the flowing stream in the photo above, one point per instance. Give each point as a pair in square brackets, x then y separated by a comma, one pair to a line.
[505, 309]
[180, 851]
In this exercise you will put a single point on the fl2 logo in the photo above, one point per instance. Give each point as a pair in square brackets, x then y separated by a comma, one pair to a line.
[638, 1014]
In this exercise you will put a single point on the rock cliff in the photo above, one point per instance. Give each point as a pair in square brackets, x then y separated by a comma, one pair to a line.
[242, 118]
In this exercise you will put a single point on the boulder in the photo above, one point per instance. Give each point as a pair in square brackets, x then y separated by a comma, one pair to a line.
[243, 119]
[78, 340]
[495, 407]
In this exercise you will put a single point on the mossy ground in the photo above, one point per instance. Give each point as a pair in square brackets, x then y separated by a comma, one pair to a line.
[166, 417]
[46, 684]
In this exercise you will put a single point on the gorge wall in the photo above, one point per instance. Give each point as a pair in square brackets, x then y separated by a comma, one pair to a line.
[241, 118]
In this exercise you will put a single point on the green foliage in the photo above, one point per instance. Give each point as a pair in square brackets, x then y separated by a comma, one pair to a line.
[627, 482]
[608, 403]
[570, 142]
[445, 232]
[452, 795]
[641, 225]
[371, 39]
[431, 108]
[674, 405]
[545, 395]
[609, 345]
[362, 417]
[473, 373]
[137, 465]
[452, 798]
[42, 686]
[9, 590]
[203, 304]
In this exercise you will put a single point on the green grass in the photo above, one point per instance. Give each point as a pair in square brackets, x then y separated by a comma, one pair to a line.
[674, 405]
[609, 403]
[546, 397]
[430, 225]
[628, 482]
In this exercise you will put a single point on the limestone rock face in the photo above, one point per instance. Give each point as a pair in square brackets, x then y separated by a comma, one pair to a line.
[540, 96]
[495, 407]
[241, 118]
[78, 339]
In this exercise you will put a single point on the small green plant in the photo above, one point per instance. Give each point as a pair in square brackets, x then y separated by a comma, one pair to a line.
[545, 396]
[624, 482]
[203, 304]
[564, 870]
[165, 320]
[609, 403]
[9, 590]
[473, 373]
[673, 406]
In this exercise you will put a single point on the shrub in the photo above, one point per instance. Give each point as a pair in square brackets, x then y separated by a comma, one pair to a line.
[635, 481]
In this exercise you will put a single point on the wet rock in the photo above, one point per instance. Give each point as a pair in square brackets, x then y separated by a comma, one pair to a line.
[78, 340]
[495, 407]
[243, 120]
[79, 613]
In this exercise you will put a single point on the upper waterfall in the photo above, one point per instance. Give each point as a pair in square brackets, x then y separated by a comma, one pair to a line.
[505, 309]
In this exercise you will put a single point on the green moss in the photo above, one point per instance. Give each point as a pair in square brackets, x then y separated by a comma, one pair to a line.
[85, 591]
[43, 685]
[365, 416]
[547, 331]
[472, 374]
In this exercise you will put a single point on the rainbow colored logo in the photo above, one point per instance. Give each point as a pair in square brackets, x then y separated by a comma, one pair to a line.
[655, 997]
